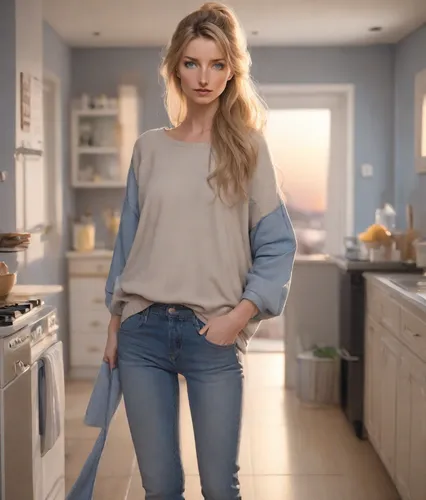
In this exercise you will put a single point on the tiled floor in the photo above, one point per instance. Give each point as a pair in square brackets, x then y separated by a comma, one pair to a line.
[288, 452]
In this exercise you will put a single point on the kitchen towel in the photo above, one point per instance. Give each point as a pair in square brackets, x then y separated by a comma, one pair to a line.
[54, 397]
[104, 401]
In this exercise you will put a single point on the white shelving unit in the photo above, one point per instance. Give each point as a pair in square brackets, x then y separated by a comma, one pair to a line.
[102, 142]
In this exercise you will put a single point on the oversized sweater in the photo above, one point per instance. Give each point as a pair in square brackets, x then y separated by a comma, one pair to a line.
[179, 243]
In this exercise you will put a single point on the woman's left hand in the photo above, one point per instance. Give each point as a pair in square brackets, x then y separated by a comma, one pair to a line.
[223, 330]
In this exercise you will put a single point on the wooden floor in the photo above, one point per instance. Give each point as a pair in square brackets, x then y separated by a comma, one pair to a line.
[288, 452]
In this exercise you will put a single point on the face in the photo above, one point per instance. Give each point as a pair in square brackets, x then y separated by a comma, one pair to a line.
[203, 71]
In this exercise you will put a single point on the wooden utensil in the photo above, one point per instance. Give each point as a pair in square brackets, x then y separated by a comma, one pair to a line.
[410, 235]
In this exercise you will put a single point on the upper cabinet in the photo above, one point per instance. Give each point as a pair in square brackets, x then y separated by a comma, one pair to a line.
[420, 122]
[104, 132]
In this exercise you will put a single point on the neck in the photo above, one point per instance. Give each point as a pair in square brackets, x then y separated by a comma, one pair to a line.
[199, 119]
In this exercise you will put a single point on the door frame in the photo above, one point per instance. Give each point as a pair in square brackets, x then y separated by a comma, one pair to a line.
[347, 93]
[57, 170]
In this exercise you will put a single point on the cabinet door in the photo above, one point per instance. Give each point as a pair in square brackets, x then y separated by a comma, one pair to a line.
[417, 475]
[403, 419]
[372, 383]
[390, 353]
[368, 376]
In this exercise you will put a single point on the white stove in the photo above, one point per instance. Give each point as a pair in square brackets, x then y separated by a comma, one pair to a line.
[14, 315]
[31, 378]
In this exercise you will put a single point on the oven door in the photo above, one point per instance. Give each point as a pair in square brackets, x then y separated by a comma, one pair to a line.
[51, 387]
[17, 478]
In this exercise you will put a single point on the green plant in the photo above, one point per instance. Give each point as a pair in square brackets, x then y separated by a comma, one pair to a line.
[325, 352]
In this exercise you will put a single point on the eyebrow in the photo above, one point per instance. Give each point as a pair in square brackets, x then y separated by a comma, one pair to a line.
[213, 60]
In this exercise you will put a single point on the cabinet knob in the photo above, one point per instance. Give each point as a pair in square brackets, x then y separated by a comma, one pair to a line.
[98, 301]
[93, 349]
[95, 324]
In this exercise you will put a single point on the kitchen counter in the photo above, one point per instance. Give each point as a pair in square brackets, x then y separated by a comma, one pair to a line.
[94, 254]
[366, 265]
[24, 292]
[409, 298]
[353, 265]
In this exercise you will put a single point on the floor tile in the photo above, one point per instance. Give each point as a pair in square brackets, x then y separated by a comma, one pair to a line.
[288, 451]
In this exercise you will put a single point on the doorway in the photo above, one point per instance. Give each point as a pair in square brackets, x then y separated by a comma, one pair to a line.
[309, 133]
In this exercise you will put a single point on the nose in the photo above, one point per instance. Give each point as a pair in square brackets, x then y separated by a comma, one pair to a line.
[203, 77]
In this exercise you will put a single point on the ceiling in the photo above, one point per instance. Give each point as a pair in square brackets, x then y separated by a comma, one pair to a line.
[146, 23]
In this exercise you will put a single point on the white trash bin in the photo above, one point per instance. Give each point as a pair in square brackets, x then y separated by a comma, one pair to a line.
[318, 379]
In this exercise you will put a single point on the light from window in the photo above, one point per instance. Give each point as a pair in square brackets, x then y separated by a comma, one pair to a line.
[299, 140]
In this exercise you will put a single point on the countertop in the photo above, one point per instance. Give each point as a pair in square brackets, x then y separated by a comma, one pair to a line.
[354, 265]
[24, 292]
[366, 265]
[93, 254]
[415, 300]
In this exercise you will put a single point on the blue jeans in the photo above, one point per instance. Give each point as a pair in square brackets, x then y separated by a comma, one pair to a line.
[153, 347]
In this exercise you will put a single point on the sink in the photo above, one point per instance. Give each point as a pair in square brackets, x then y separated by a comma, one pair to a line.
[413, 283]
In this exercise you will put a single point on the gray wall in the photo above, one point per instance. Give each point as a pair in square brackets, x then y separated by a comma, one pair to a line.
[409, 186]
[57, 61]
[7, 114]
[370, 69]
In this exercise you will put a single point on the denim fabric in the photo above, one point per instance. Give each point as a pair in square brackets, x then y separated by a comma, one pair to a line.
[103, 403]
[154, 346]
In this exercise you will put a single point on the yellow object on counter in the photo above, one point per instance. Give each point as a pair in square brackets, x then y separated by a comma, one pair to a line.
[376, 234]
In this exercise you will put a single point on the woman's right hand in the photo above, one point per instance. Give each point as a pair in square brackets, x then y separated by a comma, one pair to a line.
[110, 354]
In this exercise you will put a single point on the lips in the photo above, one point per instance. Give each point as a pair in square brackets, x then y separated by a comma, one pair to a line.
[203, 91]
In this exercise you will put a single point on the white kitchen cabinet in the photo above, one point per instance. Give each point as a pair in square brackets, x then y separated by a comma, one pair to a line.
[417, 426]
[403, 416]
[395, 389]
[102, 141]
[89, 316]
[372, 381]
[390, 355]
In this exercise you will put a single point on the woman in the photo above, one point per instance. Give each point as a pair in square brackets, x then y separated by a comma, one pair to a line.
[204, 252]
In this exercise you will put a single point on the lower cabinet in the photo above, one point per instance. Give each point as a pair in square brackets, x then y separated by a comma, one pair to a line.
[89, 317]
[395, 395]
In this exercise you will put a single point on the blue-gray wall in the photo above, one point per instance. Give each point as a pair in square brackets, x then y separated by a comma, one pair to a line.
[409, 186]
[370, 69]
[57, 62]
[7, 114]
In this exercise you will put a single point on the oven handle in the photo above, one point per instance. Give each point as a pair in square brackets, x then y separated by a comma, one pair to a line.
[20, 367]
[344, 354]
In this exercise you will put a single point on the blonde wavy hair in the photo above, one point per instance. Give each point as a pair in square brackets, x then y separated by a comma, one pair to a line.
[241, 111]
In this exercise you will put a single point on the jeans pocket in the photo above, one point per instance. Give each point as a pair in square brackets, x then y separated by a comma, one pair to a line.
[135, 321]
[217, 346]
[199, 325]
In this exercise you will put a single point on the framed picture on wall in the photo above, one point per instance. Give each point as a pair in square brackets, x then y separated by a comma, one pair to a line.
[420, 122]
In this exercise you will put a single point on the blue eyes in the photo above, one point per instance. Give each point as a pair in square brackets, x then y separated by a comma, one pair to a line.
[191, 64]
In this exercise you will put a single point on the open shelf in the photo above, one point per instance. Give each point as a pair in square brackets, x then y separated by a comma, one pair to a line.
[97, 150]
[96, 112]
[100, 184]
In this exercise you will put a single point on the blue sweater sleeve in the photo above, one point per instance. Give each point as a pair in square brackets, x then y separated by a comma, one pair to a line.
[126, 234]
[273, 247]
[272, 241]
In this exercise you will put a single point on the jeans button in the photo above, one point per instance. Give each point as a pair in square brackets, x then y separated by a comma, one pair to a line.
[171, 310]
